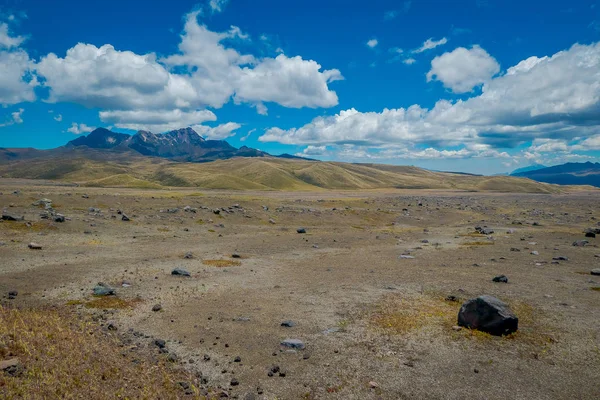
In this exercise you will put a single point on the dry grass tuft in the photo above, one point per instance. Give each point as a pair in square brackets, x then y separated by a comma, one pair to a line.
[222, 263]
[402, 315]
[478, 243]
[20, 226]
[63, 356]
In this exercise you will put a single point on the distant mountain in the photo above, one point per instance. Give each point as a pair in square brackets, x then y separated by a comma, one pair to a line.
[532, 167]
[178, 145]
[567, 174]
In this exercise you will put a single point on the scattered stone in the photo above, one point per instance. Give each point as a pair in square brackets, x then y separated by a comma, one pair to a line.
[373, 385]
[500, 278]
[595, 271]
[125, 218]
[10, 217]
[180, 272]
[34, 246]
[237, 359]
[580, 243]
[535, 253]
[156, 307]
[160, 343]
[406, 257]
[301, 230]
[234, 382]
[12, 294]
[59, 218]
[560, 258]
[271, 221]
[288, 324]
[590, 235]
[514, 249]
[488, 314]
[484, 230]
[11, 367]
[235, 255]
[102, 289]
[293, 344]
[188, 255]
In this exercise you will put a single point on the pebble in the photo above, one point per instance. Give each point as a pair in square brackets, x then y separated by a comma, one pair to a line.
[34, 246]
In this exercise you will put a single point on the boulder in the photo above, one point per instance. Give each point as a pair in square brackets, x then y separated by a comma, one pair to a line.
[580, 243]
[595, 271]
[34, 246]
[488, 314]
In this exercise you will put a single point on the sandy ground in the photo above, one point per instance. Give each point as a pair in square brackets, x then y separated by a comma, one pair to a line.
[375, 326]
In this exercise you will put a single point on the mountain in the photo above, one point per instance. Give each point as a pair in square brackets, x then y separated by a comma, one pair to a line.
[532, 167]
[178, 145]
[567, 174]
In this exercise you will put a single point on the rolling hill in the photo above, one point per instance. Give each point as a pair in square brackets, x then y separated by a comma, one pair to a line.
[106, 168]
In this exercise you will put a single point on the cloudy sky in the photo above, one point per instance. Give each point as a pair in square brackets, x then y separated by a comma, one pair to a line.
[482, 86]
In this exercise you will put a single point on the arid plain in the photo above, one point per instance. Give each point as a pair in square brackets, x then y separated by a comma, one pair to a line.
[372, 288]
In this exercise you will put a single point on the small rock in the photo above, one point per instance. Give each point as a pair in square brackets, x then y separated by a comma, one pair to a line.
[160, 343]
[580, 243]
[235, 255]
[125, 218]
[301, 230]
[288, 324]
[180, 272]
[156, 307]
[535, 253]
[406, 257]
[237, 359]
[59, 218]
[188, 256]
[373, 385]
[590, 235]
[9, 217]
[595, 271]
[102, 289]
[12, 294]
[293, 343]
[234, 382]
[500, 278]
[34, 246]
[560, 258]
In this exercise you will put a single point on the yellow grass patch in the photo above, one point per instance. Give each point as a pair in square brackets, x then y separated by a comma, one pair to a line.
[24, 226]
[222, 263]
[64, 356]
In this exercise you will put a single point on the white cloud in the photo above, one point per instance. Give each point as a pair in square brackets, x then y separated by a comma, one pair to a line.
[409, 61]
[219, 132]
[58, 118]
[313, 151]
[156, 121]
[261, 109]
[16, 117]
[7, 41]
[555, 97]
[250, 132]
[78, 129]
[431, 44]
[217, 6]
[372, 43]
[589, 144]
[463, 69]
[548, 145]
[204, 73]
[16, 78]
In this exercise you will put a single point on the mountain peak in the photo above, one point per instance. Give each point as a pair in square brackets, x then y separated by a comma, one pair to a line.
[100, 138]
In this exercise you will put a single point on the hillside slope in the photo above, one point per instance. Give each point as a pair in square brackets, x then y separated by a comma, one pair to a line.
[97, 168]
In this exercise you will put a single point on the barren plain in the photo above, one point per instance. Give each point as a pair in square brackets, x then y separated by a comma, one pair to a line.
[371, 289]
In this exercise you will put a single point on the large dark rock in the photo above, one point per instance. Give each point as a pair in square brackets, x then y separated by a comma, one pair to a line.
[488, 314]
[8, 217]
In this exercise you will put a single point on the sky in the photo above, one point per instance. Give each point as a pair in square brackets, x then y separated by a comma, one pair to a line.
[480, 86]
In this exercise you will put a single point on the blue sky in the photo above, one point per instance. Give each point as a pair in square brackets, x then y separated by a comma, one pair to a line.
[478, 86]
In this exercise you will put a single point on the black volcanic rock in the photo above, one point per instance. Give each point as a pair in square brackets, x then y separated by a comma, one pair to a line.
[100, 138]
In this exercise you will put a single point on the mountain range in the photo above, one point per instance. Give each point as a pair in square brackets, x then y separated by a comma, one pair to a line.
[179, 145]
[565, 174]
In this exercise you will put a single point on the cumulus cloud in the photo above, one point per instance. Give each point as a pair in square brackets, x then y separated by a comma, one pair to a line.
[372, 43]
[58, 118]
[134, 90]
[430, 44]
[6, 40]
[409, 61]
[219, 132]
[313, 151]
[157, 121]
[78, 129]
[463, 69]
[17, 81]
[16, 117]
[556, 97]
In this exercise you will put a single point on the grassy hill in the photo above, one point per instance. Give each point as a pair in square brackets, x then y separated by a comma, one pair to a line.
[267, 173]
